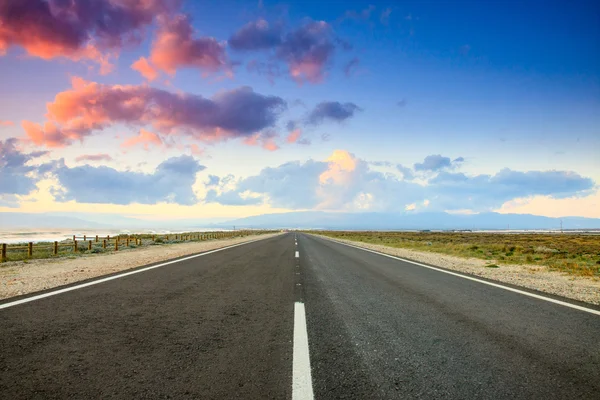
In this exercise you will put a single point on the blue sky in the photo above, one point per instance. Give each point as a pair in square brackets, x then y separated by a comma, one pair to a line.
[511, 88]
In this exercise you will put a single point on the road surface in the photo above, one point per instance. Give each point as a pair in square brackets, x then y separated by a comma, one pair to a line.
[285, 320]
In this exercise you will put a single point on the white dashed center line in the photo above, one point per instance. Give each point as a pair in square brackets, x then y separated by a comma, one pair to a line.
[301, 381]
[297, 254]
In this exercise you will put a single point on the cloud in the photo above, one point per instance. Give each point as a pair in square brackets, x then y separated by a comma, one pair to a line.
[265, 139]
[402, 103]
[171, 182]
[146, 138]
[294, 136]
[89, 107]
[175, 46]
[332, 110]
[407, 173]
[384, 18]
[196, 150]
[433, 162]
[6, 123]
[145, 69]
[346, 182]
[17, 177]
[485, 192]
[363, 14]
[351, 66]
[269, 69]
[84, 30]
[93, 157]
[256, 35]
[307, 50]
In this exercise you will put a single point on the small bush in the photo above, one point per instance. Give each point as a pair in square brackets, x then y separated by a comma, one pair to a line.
[492, 266]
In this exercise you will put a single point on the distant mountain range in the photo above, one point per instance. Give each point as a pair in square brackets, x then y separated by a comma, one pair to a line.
[304, 220]
[390, 221]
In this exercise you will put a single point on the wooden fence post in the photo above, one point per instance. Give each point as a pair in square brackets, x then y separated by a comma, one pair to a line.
[30, 249]
[55, 248]
[153, 238]
[117, 244]
[127, 241]
[107, 237]
[74, 246]
[90, 245]
[96, 238]
[104, 244]
[3, 252]
[84, 238]
[74, 238]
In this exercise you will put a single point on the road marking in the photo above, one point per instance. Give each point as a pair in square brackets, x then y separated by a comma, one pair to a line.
[301, 381]
[110, 278]
[536, 296]
[297, 254]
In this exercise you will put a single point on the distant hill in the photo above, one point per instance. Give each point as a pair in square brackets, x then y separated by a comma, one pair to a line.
[391, 221]
[302, 220]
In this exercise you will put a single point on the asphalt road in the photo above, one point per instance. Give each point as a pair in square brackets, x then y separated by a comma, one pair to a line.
[221, 326]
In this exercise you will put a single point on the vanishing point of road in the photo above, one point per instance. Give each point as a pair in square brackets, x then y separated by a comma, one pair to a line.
[296, 316]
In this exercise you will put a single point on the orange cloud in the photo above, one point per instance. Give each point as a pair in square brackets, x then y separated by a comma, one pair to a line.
[145, 69]
[6, 123]
[145, 138]
[294, 136]
[176, 47]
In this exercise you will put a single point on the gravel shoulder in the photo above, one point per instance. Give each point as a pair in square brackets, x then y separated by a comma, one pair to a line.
[18, 277]
[586, 289]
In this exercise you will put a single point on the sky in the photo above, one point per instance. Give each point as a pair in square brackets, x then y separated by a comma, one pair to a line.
[167, 109]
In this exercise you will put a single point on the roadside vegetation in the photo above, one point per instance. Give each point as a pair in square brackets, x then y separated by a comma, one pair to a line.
[576, 254]
[67, 248]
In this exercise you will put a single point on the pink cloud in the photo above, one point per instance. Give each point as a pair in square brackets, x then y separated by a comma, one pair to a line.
[6, 123]
[145, 69]
[266, 140]
[294, 136]
[176, 47]
[93, 157]
[196, 150]
[89, 107]
[145, 138]
[80, 30]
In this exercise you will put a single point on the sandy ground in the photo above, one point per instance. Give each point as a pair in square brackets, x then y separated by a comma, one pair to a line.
[18, 277]
[540, 278]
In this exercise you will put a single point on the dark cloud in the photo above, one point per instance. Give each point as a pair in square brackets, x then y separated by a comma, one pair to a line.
[256, 35]
[171, 182]
[79, 29]
[402, 103]
[307, 50]
[332, 110]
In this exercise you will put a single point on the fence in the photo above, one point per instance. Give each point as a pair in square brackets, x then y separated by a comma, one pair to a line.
[100, 244]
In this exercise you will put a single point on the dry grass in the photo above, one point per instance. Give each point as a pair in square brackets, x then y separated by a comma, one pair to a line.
[576, 254]
[43, 250]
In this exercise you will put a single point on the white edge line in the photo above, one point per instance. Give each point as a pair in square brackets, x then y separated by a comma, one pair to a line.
[297, 254]
[301, 375]
[110, 278]
[536, 296]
